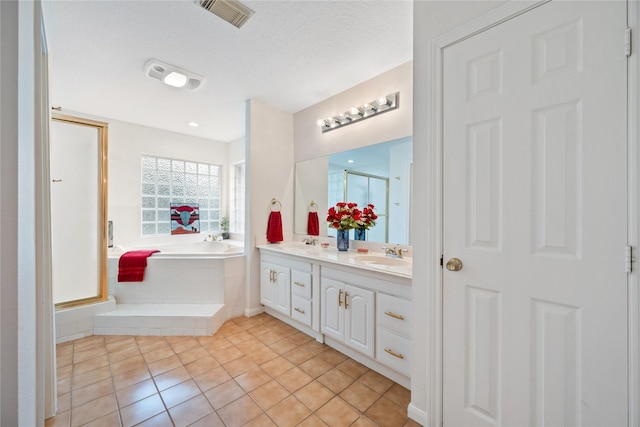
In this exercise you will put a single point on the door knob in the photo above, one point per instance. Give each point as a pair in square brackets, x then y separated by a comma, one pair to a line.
[454, 264]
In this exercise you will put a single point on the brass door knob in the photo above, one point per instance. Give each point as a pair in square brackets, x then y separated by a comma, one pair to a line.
[454, 264]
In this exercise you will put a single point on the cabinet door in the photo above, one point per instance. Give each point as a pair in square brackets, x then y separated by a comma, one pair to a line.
[267, 288]
[359, 319]
[332, 317]
[282, 290]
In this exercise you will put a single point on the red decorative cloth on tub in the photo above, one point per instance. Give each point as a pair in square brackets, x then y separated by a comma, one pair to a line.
[313, 224]
[274, 227]
[132, 264]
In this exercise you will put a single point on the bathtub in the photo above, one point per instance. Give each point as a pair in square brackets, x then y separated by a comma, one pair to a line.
[184, 273]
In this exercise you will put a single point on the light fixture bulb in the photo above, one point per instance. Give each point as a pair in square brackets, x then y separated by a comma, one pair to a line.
[354, 111]
[321, 122]
[175, 79]
[367, 107]
[383, 101]
[193, 124]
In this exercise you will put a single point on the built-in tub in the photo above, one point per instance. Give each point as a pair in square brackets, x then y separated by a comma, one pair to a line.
[183, 273]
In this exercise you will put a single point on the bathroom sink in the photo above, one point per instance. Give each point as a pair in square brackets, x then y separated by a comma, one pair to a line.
[382, 260]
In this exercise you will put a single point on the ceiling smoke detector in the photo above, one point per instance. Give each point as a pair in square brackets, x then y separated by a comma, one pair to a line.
[172, 75]
[231, 11]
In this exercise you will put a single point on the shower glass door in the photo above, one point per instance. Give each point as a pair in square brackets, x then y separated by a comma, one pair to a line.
[363, 189]
[78, 210]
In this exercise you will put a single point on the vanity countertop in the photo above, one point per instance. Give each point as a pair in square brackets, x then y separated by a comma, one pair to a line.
[371, 261]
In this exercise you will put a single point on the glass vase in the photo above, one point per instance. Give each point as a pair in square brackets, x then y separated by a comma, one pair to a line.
[359, 234]
[343, 240]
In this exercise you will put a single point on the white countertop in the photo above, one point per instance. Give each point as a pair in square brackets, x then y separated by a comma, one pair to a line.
[371, 261]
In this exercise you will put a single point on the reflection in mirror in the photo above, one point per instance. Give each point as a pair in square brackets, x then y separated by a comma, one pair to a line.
[379, 174]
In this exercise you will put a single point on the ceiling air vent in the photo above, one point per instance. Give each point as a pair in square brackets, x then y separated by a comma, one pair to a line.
[231, 11]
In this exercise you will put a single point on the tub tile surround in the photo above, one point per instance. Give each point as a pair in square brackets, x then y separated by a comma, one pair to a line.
[255, 371]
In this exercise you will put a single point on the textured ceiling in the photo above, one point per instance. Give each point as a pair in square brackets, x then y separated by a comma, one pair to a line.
[290, 55]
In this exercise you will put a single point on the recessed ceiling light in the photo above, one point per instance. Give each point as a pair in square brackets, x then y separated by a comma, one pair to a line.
[349, 161]
[193, 124]
[175, 79]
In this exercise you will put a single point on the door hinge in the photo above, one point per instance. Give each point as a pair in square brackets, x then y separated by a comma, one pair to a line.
[629, 259]
[441, 260]
[627, 41]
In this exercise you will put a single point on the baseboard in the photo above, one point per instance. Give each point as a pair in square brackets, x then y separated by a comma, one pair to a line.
[417, 415]
[249, 312]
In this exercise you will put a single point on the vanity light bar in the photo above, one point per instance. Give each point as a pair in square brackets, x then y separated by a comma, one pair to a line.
[364, 111]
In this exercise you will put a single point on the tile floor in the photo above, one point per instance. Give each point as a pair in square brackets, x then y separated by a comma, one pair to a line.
[254, 371]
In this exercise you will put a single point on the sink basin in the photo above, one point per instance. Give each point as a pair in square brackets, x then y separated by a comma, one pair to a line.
[382, 260]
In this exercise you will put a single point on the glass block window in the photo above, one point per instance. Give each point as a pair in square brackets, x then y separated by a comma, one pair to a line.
[167, 181]
[237, 204]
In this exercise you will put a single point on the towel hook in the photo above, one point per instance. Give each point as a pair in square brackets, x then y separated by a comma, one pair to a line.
[313, 205]
[275, 202]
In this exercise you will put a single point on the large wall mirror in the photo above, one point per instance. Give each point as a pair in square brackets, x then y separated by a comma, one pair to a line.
[379, 174]
[78, 168]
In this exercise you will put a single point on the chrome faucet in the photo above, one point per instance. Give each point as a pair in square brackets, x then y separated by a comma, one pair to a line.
[394, 251]
[310, 241]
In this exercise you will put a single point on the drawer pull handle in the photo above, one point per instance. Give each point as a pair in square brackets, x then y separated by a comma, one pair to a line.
[346, 305]
[340, 298]
[299, 284]
[299, 310]
[393, 353]
[395, 316]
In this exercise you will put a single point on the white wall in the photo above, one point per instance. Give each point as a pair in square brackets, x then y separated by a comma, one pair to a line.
[310, 142]
[270, 166]
[127, 143]
[431, 20]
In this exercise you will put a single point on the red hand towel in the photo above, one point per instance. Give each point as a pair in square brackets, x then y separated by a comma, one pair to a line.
[132, 264]
[313, 225]
[274, 227]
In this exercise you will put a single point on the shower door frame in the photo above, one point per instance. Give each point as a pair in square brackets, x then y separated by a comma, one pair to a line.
[369, 176]
[102, 129]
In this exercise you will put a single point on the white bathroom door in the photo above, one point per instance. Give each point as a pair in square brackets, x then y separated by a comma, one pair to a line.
[534, 207]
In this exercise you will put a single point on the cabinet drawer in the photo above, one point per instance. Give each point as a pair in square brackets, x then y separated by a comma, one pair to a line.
[301, 284]
[394, 314]
[301, 309]
[393, 351]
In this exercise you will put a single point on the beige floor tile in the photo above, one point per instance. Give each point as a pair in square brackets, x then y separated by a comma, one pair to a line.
[353, 368]
[263, 355]
[300, 338]
[193, 354]
[123, 354]
[216, 343]
[91, 364]
[87, 343]
[202, 365]
[191, 411]
[150, 344]
[332, 357]
[253, 379]
[124, 365]
[239, 412]
[161, 420]
[269, 394]
[387, 413]
[230, 328]
[277, 366]
[86, 378]
[261, 420]
[64, 372]
[270, 337]
[258, 330]
[411, 423]
[89, 354]
[228, 354]
[364, 421]
[288, 413]
[336, 380]
[283, 346]
[337, 412]
[315, 347]
[211, 420]
[158, 354]
[250, 345]
[239, 337]
[171, 378]
[80, 396]
[117, 343]
[109, 420]
[224, 394]
[184, 345]
[240, 366]
[164, 365]
[315, 367]
[375, 381]
[398, 395]
[62, 419]
[179, 393]
[314, 395]
[93, 409]
[312, 421]
[298, 356]
[359, 396]
[64, 386]
[294, 379]
[136, 392]
[131, 377]
[64, 402]
[212, 378]
[141, 410]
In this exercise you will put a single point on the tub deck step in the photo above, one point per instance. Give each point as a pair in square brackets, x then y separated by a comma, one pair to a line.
[160, 320]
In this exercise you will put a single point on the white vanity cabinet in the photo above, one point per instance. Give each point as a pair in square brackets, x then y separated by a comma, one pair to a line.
[275, 287]
[393, 332]
[301, 307]
[348, 315]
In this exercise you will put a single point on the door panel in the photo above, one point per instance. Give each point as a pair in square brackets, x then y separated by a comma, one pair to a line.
[332, 311]
[535, 323]
[359, 319]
